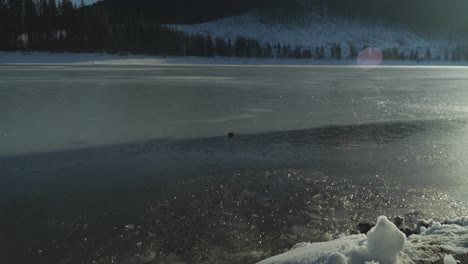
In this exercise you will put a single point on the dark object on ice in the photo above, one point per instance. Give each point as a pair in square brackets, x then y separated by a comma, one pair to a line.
[364, 228]
[231, 134]
[248, 195]
[399, 222]
[426, 224]
[408, 232]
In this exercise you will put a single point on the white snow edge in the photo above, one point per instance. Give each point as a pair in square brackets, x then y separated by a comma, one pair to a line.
[384, 244]
[111, 59]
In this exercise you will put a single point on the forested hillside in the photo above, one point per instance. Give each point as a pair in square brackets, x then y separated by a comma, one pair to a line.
[137, 26]
[447, 15]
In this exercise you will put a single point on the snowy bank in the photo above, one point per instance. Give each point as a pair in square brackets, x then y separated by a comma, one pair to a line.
[384, 244]
[113, 59]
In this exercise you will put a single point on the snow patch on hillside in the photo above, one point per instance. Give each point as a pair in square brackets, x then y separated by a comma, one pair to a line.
[316, 30]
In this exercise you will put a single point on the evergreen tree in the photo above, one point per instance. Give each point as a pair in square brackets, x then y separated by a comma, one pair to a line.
[43, 8]
[286, 51]
[338, 52]
[278, 50]
[67, 8]
[297, 52]
[428, 55]
[307, 54]
[220, 47]
[317, 52]
[230, 51]
[241, 49]
[353, 53]
[30, 20]
[402, 56]
[333, 51]
[15, 11]
[268, 51]
[322, 53]
[210, 50]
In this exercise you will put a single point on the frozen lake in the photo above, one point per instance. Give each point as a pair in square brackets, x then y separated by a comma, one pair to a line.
[87, 149]
[48, 107]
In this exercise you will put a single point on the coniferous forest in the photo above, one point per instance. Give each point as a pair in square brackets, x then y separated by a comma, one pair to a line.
[138, 26]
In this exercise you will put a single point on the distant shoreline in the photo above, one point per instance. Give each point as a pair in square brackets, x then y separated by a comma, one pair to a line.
[114, 59]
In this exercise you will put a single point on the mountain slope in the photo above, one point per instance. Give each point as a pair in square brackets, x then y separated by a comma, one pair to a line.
[317, 30]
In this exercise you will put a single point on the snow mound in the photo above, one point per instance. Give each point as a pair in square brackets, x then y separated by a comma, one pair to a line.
[383, 244]
[322, 253]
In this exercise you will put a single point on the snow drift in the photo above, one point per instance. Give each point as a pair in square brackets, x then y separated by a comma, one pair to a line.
[384, 244]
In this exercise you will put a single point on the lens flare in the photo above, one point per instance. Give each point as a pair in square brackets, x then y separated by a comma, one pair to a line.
[369, 58]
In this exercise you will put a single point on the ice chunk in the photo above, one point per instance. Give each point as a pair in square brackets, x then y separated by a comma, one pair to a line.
[448, 259]
[385, 241]
[130, 227]
[337, 258]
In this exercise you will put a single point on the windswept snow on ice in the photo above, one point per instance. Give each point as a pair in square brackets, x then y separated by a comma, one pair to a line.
[385, 244]
[316, 30]
[440, 238]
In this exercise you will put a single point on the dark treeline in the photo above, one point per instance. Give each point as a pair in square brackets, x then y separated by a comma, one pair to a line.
[51, 25]
[121, 26]
[194, 11]
[430, 15]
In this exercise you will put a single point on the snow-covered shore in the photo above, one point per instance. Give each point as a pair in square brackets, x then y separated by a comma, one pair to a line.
[385, 244]
[113, 59]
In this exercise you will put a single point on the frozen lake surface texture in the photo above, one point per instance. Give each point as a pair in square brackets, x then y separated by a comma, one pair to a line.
[133, 164]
